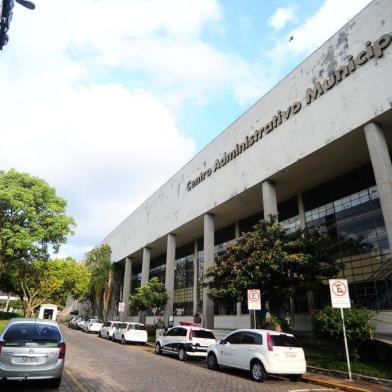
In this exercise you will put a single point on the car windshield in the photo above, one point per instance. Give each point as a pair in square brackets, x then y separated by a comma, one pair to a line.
[201, 333]
[284, 341]
[21, 334]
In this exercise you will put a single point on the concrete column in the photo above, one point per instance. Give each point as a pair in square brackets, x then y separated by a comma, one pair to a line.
[237, 234]
[169, 275]
[301, 210]
[209, 260]
[145, 278]
[126, 287]
[270, 205]
[382, 168]
[195, 277]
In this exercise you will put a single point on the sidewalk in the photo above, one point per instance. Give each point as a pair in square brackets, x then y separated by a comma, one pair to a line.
[344, 385]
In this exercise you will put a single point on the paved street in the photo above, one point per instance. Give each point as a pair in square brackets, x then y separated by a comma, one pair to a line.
[94, 364]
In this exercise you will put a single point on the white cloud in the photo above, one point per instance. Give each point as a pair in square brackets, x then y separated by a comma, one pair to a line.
[307, 37]
[282, 16]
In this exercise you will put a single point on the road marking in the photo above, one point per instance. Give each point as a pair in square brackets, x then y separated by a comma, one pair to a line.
[308, 390]
[75, 380]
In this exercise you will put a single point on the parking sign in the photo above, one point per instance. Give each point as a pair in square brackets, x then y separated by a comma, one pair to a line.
[254, 299]
[340, 296]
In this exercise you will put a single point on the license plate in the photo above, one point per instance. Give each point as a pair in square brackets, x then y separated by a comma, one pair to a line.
[29, 359]
[291, 355]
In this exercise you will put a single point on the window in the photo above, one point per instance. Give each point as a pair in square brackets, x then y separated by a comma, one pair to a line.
[172, 332]
[20, 334]
[181, 332]
[251, 338]
[203, 334]
[139, 327]
[284, 341]
[235, 338]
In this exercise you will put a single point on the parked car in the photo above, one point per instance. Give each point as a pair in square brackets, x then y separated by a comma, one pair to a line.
[92, 325]
[108, 328]
[32, 350]
[260, 351]
[130, 333]
[73, 321]
[80, 324]
[185, 341]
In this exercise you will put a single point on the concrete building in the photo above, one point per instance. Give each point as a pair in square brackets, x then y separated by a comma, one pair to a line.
[314, 150]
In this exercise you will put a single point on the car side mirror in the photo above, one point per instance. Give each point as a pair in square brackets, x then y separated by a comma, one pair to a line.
[164, 334]
[223, 341]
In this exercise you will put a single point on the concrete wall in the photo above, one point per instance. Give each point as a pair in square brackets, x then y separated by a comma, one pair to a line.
[363, 95]
[383, 322]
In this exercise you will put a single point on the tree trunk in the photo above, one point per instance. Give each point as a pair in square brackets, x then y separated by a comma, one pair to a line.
[107, 294]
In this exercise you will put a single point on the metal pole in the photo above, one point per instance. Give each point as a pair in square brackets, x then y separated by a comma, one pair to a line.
[254, 318]
[346, 346]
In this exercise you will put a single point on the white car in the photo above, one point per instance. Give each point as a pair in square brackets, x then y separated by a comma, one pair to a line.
[185, 341]
[81, 323]
[130, 333]
[108, 328]
[260, 351]
[92, 325]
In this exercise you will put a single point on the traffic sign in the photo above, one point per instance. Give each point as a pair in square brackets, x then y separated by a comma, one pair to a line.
[121, 306]
[254, 299]
[340, 296]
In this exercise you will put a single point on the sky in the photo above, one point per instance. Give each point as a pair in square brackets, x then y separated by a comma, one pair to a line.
[107, 99]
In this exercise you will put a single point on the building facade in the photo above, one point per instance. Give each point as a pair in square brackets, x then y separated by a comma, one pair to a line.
[314, 150]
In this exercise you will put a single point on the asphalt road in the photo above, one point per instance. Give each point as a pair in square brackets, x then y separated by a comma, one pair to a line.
[97, 365]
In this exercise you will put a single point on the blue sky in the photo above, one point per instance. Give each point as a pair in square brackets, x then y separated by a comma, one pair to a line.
[106, 99]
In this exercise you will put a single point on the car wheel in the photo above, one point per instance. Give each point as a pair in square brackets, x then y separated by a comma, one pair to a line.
[123, 341]
[295, 377]
[55, 383]
[212, 362]
[113, 338]
[182, 354]
[158, 349]
[257, 371]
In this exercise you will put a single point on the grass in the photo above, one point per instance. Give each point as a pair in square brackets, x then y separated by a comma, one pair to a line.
[2, 324]
[337, 361]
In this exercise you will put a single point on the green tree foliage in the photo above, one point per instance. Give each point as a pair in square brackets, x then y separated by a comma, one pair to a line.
[32, 219]
[101, 284]
[152, 296]
[269, 259]
[328, 325]
[49, 281]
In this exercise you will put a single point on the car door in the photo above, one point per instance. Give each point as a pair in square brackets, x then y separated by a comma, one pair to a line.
[228, 348]
[168, 339]
[250, 342]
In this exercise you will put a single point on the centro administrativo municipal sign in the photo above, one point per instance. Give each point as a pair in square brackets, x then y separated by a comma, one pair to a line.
[371, 50]
[340, 296]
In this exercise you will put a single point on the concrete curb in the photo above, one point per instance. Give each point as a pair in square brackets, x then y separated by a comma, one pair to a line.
[344, 375]
[333, 384]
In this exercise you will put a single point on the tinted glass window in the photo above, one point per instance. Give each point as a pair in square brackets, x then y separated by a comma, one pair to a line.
[181, 332]
[203, 334]
[172, 332]
[32, 333]
[251, 338]
[235, 338]
[140, 327]
[108, 324]
[284, 341]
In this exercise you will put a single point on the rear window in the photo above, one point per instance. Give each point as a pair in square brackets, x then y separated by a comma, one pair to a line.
[200, 333]
[139, 327]
[284, 341]
[20, 334]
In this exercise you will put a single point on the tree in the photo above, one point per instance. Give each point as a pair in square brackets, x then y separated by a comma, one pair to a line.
[51, 281]
[152, 296]
[32, 219]
[273, 261]
[101, 285]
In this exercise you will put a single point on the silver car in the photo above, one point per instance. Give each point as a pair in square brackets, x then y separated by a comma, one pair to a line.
[32, 350]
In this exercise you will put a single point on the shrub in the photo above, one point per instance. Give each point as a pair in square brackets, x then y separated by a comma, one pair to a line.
[8, 315]
[327, 324]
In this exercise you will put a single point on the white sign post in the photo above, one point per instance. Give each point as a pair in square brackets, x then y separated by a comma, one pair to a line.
[340, 298]
[254, 302]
